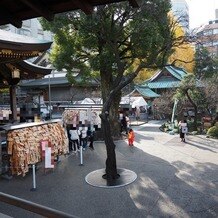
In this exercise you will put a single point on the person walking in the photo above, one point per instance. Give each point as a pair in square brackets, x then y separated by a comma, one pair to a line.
[74, 137]
[124, 125]
[131, 137]
[127, 123]
[183, 129]
[84, 138]
[90, 135]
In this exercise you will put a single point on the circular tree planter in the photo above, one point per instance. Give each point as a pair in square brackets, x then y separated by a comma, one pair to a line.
[126, 177]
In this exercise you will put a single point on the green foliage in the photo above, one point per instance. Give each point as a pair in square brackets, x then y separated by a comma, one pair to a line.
[110, 41]
[111, 38]
[168, 128]
[205, 65]
[176, 130]
[191, 125]
[202, 94]
[213, 132]
[191, 90]
[4, 90]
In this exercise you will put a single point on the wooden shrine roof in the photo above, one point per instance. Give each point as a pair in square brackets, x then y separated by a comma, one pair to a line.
[14, 47]
[27, 71]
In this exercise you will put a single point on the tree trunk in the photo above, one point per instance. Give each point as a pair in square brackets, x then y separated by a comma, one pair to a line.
[114, 117]
[111, 166]
[106, 87]
[109, 119]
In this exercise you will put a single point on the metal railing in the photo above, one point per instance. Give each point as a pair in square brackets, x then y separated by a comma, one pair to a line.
[33, 207]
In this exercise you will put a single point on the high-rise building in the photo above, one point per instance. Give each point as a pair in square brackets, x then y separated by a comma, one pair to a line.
[30, 28]
[180, 9]
[208, 36]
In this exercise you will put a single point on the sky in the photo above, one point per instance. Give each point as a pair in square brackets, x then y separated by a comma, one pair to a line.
[201, 11]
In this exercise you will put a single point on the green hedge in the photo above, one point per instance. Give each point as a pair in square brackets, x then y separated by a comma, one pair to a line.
[213, 132]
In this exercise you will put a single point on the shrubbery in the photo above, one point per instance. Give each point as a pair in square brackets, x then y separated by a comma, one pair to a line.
[213, 132]
[167, 127]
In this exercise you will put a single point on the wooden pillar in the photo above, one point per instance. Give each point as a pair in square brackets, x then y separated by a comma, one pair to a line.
[13, 102]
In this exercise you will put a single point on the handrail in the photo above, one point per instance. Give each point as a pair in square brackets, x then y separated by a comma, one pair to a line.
[33, 207]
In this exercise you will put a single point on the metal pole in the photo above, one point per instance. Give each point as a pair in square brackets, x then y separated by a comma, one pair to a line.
[34, 178]
[49, 95]
[81, 156]
[173, 113]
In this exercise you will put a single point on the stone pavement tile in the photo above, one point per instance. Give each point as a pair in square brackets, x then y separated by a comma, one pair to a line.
[4, 216]
[171, 182]
[166, 207]
[202, 207]
[65, 189]
[180, 191]
[204, 177]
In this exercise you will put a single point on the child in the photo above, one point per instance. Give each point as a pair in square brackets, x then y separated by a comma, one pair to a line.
[131, 137]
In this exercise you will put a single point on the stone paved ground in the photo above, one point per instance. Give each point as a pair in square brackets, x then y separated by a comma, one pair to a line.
[175, 179]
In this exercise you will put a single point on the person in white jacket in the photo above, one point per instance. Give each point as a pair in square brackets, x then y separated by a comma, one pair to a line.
[74, 137]
[84, 138]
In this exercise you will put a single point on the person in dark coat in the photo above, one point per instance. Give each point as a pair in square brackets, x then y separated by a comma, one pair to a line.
[90, 135]
[124, 125]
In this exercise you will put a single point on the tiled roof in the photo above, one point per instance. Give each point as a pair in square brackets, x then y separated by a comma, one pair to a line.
[146, 92]
[45, 82]
[56, 81]
[179, 73]
[163, 84]
[176, 72]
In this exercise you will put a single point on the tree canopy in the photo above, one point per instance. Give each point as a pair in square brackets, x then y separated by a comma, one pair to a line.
[183, 52]
[112, 38]
[201, 95]
[109, 42]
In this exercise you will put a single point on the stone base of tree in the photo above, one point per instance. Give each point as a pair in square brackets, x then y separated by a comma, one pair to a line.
[96, 179]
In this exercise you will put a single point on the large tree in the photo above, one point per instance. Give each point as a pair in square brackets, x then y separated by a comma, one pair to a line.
[108, 42]
[183, 52]
[200, 94]
[210, 101]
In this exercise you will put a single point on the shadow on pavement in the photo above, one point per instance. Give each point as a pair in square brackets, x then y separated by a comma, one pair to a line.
[200, 147]
[162, 189]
